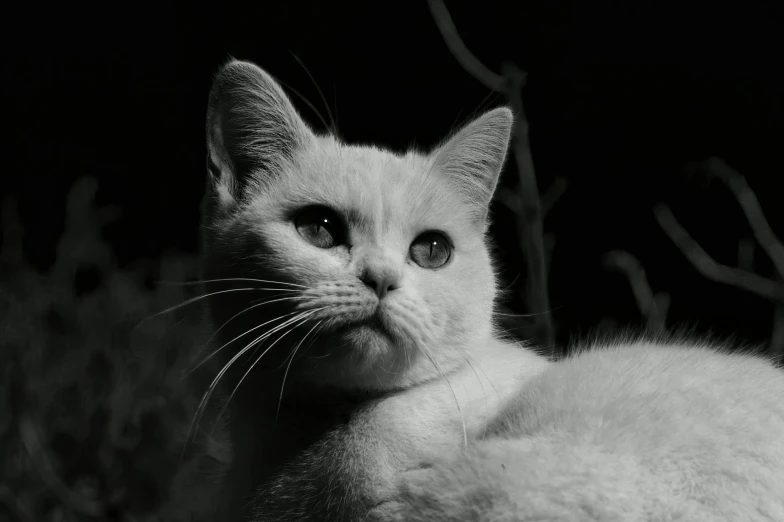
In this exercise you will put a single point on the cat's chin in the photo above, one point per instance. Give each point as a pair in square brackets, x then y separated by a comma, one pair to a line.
[362, 355]
[363, 343]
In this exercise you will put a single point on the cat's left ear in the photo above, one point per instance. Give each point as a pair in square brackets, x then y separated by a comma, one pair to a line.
[474, 156]
[253, 129]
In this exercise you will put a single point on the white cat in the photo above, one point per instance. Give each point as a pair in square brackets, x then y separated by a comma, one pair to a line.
[379, 388]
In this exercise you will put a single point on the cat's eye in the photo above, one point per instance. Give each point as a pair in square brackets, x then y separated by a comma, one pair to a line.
[430, 250]
[320, 226]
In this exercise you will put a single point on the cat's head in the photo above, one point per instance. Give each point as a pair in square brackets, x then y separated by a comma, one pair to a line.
[373, 265]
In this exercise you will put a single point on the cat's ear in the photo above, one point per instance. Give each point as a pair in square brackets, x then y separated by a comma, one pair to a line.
[252, 129]
[473, 157]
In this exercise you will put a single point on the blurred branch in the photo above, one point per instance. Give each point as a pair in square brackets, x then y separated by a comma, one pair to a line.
[652, 307]
[549, 246]
[455, 44]
[746, 254]
[529, 213]
[511, 199]
[553, 194]
[73, 500]
[529, 220]
[714, 271]
[15, 505]
[776, 348]
[751, 207]
[743, 276]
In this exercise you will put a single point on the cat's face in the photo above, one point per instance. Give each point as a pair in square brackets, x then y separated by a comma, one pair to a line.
[378, 260]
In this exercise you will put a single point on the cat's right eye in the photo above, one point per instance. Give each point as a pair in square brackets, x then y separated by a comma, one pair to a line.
[320, 226]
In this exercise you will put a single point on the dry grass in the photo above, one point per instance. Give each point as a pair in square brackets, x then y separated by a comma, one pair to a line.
[94, 409]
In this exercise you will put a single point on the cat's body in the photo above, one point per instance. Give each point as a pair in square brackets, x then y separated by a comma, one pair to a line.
[635, 432]
[381, 390]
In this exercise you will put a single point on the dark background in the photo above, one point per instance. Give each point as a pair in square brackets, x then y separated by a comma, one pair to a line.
[620, 95]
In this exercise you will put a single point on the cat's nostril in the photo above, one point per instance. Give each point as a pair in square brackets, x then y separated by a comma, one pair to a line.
[379, 284]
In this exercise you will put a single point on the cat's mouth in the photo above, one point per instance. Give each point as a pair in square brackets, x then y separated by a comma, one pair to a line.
[373, 323]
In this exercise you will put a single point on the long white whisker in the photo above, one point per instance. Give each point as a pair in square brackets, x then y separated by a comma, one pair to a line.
[321, 94]
[457, 402]
[215, 333]
[302, 318]
[210, 356]
[251, 307]
[472, 364]
[248, 279]
[214, 383]
[198, 298]
[291, 359]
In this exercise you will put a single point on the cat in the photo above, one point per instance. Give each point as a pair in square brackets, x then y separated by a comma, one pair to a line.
[379, 387]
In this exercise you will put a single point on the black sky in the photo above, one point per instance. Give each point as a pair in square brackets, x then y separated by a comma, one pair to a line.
[620, 95]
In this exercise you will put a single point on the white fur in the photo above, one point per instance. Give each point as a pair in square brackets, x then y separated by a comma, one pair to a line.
[635, 432]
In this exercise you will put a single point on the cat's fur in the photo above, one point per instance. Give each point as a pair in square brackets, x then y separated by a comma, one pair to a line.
[367, 427]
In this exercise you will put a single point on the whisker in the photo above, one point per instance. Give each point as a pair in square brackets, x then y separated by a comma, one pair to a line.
[291, 359]
[206, 397]
[247, 279]
[307, 102]
[532, 314]
[457, 402]
[303, 317]
[198, 298]
[255, 304]
[240, 335]
[209, 341]
[321, 94]
[312, 340]
[472, 363]
[473, 369]
[514, 315]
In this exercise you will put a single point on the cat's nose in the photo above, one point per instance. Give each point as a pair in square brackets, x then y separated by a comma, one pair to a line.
[381, 282]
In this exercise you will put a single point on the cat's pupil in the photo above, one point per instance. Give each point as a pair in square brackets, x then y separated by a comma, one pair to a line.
[319, 226]
[430, 250]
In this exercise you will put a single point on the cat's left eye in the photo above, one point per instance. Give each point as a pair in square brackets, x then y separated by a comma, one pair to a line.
[320, 226]
[430, 250]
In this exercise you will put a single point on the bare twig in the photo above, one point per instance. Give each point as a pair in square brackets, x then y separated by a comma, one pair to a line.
[510, 199]
[529, 211]
[549, 246]
[714, 271]
[746, 254]
[751, 207]
[776, 347]
[553, 194]
[548, 199]
[466, 58]
[652, 307]
[529, 221]
[71, 499]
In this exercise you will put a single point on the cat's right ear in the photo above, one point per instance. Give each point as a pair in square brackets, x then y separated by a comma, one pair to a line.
[473, 157]
[253, 130]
